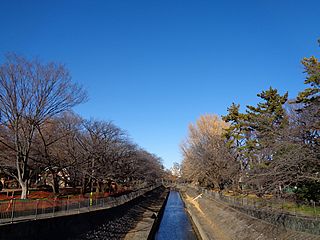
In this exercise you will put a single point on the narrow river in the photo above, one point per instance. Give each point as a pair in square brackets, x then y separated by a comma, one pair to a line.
[175, 223]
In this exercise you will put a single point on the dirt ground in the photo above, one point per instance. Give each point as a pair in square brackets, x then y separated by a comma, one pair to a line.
[221, 222]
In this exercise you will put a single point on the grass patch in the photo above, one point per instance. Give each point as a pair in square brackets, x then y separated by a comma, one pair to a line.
[268, 202]
[302, 209]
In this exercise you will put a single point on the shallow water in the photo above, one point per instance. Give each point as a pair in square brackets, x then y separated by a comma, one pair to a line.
[175, 223]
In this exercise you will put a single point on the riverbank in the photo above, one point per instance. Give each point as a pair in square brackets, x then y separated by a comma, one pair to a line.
[151, 217]
[217, 220]
[112, 223]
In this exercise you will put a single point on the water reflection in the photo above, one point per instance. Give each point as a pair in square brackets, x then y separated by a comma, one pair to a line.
[175, 223]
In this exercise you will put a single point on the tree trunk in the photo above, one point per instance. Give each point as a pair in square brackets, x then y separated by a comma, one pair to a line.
[91, 184]
[99, 187]
[84, 185]
[24, 186]
[55, 183]
[23, 176]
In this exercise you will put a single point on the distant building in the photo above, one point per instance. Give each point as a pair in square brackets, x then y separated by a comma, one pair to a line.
[176, 170]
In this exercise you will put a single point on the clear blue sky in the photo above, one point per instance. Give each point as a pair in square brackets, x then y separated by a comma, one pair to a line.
[155, 66]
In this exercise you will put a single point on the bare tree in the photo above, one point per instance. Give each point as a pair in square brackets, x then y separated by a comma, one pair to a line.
[147, 167]
[56, 150]
[106, 148]
[207, 159]
[31, 93]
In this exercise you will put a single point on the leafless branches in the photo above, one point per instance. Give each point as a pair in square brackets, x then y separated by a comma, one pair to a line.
[40, 136]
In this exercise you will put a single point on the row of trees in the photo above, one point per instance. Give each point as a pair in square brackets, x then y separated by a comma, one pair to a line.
[271, 147]
[40, 135]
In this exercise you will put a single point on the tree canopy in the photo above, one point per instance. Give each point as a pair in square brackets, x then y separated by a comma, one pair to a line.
[272, 147]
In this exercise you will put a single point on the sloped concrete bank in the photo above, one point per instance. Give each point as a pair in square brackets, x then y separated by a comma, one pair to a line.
[194, 221]
[217, 220]
[301, 224]
[148, 224]
[200, 232]
[158, 218]
[112, 223]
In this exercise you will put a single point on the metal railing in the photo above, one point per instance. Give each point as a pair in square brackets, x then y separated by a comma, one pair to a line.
[16, 210]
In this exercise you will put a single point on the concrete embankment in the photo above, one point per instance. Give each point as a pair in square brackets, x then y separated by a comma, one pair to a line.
[217, 220]
[113, 223]
[147, 226]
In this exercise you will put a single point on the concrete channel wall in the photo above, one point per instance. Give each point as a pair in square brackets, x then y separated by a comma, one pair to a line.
[215, 219]
[148, 224]
[69, 226]
[200, 233]
[287, 221]
[282, 219]
[157, 220]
